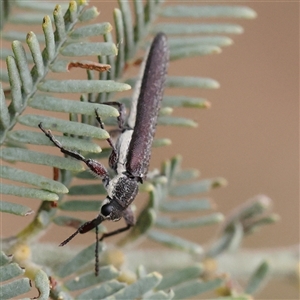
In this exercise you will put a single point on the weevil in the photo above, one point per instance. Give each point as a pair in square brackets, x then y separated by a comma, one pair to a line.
[131, 153]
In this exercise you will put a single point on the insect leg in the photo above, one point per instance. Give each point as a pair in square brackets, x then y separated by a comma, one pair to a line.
[129, 219]
[105, 235]
[122, 112]
[58, 144]
[96, 167]
[102, 127]
[114, 156]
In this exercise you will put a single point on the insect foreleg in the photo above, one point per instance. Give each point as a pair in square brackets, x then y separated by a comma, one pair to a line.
[105, 235]
[130, 222]
[102, 127]
[58, 144]
[122, 112]
[114, 157]
[97, 168]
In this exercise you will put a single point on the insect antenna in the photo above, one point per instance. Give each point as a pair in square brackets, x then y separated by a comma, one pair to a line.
[97, 252]
[69, 238]
[87, 226]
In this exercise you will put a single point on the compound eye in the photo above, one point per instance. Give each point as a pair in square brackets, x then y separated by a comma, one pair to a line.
[106, 209]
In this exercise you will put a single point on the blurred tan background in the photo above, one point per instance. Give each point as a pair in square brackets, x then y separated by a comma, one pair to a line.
[250, 136]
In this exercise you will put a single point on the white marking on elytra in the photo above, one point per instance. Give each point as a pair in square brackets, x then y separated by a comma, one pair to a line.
[122, 148]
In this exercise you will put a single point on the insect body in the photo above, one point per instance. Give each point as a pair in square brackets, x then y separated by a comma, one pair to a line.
[131, 154]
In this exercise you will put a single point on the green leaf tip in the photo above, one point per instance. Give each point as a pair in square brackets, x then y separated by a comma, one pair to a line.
[203, 11]
[192, 82]
[200, 186]
[41, 282]
[46, 22]
[176, 121]
[162, 142]
[23, 70]
[32, 178]
[14, 208]
[184, 101]
[30, 35]
[57, 9]
[20, 191]
[258, 278]
[73, 6]
[219, 41]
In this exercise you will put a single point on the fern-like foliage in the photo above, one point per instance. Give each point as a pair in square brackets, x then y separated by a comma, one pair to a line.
[31, 81]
